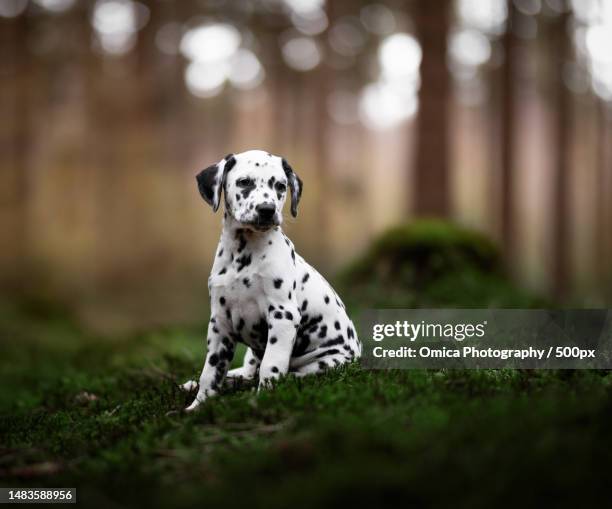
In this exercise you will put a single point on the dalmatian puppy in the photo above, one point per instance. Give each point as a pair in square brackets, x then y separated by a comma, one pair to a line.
[264, 294]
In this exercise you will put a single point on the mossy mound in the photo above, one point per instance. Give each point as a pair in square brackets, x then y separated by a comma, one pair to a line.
[431, 263]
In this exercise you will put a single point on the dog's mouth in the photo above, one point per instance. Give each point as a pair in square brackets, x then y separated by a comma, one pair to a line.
[261, 225]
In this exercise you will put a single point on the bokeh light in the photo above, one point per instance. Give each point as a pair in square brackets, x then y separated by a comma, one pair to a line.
[469, 48]
[392, 99]
[12, 8]
[382, 106]
[305, 6]
[487, 16]
[310, 22]
[245, 71]
[206, 78]
[55, 5]
[593, 40]
[116, 23]
[301, 53]
[210, 42]
[400, 56]
[347, 37]
[378, 19]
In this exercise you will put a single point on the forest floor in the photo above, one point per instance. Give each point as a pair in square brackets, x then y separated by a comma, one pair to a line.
[104, 414]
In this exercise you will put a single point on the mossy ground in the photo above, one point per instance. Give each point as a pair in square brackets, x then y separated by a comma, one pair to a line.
[379, 438]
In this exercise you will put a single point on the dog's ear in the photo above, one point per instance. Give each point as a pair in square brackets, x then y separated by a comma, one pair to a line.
[212, 180]
[295, 186]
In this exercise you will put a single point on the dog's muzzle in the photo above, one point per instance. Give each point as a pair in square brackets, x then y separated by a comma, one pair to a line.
[265, 213]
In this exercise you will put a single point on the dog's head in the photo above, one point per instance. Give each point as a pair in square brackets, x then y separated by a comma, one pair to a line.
[255, 184]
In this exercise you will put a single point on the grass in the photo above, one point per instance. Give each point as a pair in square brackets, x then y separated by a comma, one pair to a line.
[104, 414]
[460, 437]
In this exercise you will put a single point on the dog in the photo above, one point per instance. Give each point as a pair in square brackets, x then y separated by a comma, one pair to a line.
[262, 293]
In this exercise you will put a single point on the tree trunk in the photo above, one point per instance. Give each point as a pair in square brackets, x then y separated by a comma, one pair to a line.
[603, 230]
[506, 184]
[561, 216]
[432, 196]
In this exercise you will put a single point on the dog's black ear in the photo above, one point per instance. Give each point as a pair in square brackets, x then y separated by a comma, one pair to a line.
[212, 180]
[295, 186]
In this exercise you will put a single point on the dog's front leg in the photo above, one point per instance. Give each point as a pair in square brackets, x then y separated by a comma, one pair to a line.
[218, 359]
[282, 327]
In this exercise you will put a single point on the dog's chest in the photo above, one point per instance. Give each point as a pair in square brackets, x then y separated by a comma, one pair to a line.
[244, 304]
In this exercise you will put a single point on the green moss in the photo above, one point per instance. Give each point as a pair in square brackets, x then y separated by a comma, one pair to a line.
[431, 263]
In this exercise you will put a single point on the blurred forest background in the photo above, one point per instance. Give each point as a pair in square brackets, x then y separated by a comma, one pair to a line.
[494, 114]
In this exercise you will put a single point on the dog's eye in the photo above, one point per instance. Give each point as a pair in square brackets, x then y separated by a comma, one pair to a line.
[280, 187]
[244, 182]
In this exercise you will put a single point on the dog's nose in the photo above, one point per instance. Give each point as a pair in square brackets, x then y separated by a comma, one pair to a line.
[266, 210]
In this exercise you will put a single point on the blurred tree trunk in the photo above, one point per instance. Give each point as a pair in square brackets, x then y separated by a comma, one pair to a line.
[15, 107]
[561, 218]
[506, 184]
[432, 196]
[603, 230]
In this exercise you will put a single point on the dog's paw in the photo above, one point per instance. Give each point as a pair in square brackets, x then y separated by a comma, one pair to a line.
[189, 386]
[194, 405]
[239, 374]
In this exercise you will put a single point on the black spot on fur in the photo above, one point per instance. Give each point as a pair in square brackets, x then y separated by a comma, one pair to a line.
[304, 305]
[242, 243]
[222, 301]
[288, 315]
[278, 283]
[246, 282]
[337, 325]
[214, 359]
[240, 325]
[331, 351]
[223, 271]
[301, 346]
[326, 299]
[272, 340]
[271, 308]
[243, 261]
[305, 278]
[331, 342]
[289, 296]
[274, 369]
[278, 315]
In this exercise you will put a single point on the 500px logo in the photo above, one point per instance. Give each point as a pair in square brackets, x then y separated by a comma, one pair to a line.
[413, 331]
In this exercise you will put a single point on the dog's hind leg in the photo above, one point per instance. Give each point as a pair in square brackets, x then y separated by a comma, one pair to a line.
[249, 367]
[319, 366]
